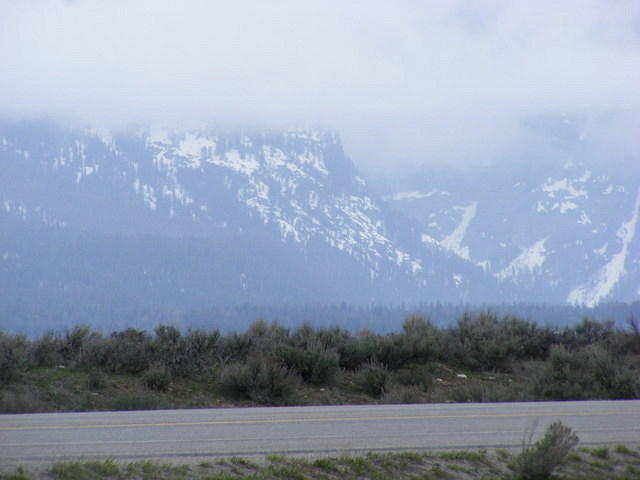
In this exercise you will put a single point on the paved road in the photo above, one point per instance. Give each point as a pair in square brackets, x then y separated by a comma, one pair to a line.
[192, 435]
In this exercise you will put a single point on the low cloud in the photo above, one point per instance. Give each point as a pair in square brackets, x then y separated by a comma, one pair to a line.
[407, 83]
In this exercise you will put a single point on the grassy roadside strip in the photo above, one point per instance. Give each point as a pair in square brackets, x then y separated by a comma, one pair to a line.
[600, 463]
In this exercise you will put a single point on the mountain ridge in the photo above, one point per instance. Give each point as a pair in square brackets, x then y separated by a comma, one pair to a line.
[280, 212]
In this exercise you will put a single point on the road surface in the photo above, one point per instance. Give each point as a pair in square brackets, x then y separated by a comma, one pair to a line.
[192, 435]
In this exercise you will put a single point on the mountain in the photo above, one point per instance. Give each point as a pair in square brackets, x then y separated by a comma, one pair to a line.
[560, 224]
[96, 222]
[183, 220]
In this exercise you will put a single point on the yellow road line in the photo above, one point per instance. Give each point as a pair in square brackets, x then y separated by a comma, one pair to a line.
[312, 420]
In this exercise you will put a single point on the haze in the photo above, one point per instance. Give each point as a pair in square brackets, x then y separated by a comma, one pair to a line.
[407, 83]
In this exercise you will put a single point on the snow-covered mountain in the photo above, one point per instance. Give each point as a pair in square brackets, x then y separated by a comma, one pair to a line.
[565, 233]
[192, 219]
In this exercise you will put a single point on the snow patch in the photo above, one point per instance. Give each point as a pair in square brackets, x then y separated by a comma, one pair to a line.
[105, 137]
[16, 209]
[564, 207]
[314, 160]
[411, 195]
[485, 265]
[273, 156]
[602, 283]
[585, 177]
[193, 147]
[531, 259]
[149, 196]
[613, 188]
[303, 134]
[584, 218]
[553, 187]
[454, 240]
[178, 194]
[428, 239]
[287, 229]
[158, 136]
[236, 162]
[313, 199]
[602, 250]
[415, 195]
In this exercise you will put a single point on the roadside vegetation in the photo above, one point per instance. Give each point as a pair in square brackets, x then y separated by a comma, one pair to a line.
[480, 358]
[552, 457]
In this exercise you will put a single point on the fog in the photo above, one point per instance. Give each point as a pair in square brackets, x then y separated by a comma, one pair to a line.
[406, 83]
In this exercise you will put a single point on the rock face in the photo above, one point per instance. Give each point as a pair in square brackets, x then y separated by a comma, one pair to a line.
[191, 219]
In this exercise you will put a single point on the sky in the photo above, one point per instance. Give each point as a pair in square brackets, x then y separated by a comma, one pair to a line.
[406, 83]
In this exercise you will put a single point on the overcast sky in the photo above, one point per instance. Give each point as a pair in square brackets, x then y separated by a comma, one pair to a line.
[405, 82]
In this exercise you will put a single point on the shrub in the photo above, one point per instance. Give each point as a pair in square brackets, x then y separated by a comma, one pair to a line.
[74, 344]
[539, 461]
[600, 452]
[128, 351]
[315, 364]
[420, 341]
[353, 352]
[45, 351]
[84, 470]
[365, 347]
[265, 337]
[584, 373]
[96, 380]
[484, 342]
[166, 344]
[589, 332]
[22, 400]
[199, 352]
[235, 347]
[416, 375]
[261, 380]
[13, 357]
[187, 355]
[372, 378]
[157, 379]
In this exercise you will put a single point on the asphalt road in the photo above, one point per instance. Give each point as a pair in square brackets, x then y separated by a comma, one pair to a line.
[193, 435]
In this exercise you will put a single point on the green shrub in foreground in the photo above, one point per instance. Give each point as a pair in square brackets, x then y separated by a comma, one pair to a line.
[539, 461]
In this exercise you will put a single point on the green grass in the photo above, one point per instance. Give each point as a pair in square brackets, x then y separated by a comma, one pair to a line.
[600, 452]
[619, 463]
[624, 450]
